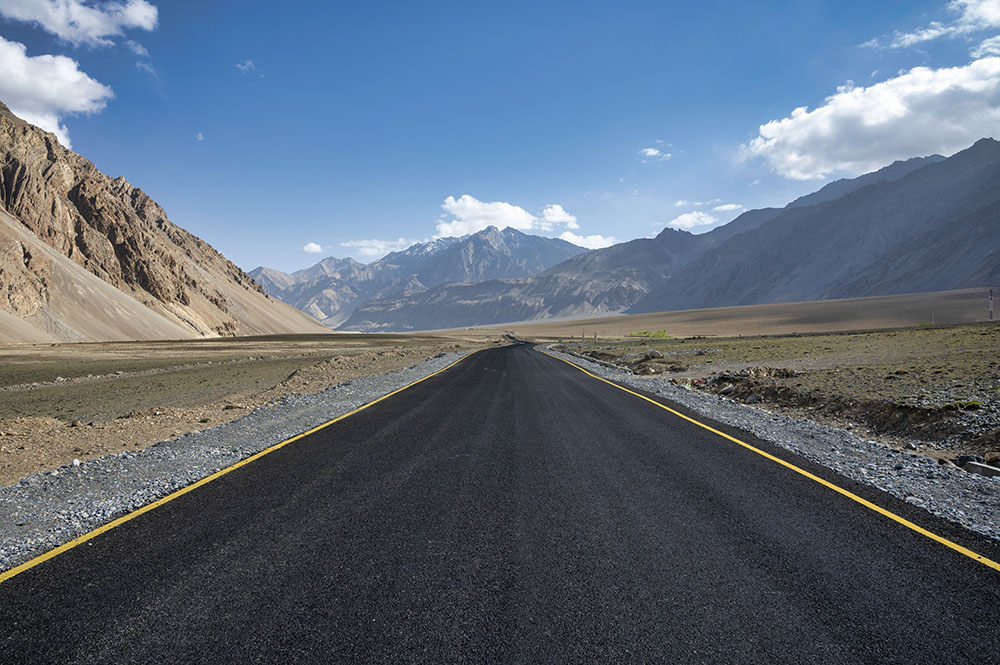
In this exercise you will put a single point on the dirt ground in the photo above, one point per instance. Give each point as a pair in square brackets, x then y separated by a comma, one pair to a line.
[896, 311]
[62, 402]
[933, 387]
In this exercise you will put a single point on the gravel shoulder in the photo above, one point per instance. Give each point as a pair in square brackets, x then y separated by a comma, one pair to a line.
[47, 509]
[947, 491]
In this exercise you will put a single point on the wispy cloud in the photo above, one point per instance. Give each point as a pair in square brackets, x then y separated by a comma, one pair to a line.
[201, 137]
[695, 204]
[654, 155]
[246, 66]
[375, 248]
[728, 207]
[969, 17]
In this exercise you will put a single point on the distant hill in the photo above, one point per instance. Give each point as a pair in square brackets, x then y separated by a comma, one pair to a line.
[607, 280]
[333, 288]
[86, 257]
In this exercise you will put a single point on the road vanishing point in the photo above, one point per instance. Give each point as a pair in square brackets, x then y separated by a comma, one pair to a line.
[514, 509]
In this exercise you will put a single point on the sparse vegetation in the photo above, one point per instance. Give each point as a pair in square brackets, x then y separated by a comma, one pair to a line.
[64, 401]
[923, 381]
[651, 334]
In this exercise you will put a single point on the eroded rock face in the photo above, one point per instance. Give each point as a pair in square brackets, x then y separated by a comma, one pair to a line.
[116, 232]
[24, 278]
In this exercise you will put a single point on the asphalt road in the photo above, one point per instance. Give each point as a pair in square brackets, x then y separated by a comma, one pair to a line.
[511, 510]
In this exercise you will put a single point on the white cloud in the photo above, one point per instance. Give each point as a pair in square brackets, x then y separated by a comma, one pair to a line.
[470, 215]
[971, 16]
[590, 242]
[696, 204]
[77, 22]
[144, 66]
[695, 219]
[247, 66]
[44, 88]
[654, 154]
[201, 137]
[555, 214]
[987, 48]
[728, 207]
[312, 248]
[860, 129]
[376, 248]
[136, 48]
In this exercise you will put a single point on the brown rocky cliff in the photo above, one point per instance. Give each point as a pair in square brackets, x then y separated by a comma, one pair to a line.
[119, 234]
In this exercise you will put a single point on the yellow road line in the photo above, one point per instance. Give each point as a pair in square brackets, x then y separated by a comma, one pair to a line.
[17, 570]
[840, 490]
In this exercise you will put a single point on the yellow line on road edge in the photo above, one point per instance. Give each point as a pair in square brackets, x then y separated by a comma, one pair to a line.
[840, 490]
[17, 570]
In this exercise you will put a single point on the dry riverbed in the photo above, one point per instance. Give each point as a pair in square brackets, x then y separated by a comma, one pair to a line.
[78, 401]
[935, 390]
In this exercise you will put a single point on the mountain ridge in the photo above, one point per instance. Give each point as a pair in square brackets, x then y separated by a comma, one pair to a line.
[331, 289]
[633, 276]
[115, 232]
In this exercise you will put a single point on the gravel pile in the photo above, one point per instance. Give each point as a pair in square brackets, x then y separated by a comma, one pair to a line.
[47, 509]
[947, 491]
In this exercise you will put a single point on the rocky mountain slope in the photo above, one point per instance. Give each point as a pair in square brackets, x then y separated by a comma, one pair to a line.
[87, 257]
[813, 248]
[333, 288]
[934, 229]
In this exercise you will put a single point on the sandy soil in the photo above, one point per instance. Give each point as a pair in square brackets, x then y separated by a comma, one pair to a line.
[75, 401]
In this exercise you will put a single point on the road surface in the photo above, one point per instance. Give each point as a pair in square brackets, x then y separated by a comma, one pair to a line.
[512, 510]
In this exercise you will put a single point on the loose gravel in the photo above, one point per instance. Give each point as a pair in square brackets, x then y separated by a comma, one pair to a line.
[947, 491]
[48, 509]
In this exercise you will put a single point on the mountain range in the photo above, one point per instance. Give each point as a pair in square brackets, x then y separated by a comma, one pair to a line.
[333, 288]
[926, 223]
[87, 257]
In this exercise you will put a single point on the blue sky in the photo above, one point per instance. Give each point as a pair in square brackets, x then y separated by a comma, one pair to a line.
[265, 128]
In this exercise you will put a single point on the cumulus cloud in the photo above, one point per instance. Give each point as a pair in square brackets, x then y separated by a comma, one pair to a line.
[312, 248]
[971, 16]
[247, 66]
[80, 23]
[469, 215]
[695, 219]
[860, 129]
[555, 214]
[376, 248]
[590, 242]
[43, 89]
[728, 207]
